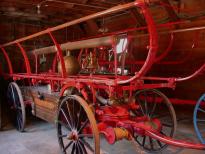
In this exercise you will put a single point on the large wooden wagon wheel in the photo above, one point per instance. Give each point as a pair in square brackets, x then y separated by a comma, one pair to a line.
[73, 116]
[153, 104]
[199, 118]
[17, 105]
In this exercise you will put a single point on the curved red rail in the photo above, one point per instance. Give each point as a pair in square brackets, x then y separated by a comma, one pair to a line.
[152, 47]
[174, 142]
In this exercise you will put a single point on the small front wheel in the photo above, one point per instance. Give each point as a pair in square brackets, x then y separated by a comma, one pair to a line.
[76, 127]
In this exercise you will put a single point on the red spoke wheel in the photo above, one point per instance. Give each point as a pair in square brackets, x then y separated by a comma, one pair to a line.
[15, 100]
[155, 105]
[73, 117]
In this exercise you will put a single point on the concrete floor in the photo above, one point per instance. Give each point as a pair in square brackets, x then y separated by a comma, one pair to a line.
[41, 138]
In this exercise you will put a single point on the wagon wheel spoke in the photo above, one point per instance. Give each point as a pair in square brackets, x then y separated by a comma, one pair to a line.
[73, 149]
[151, 143]
[87, 145]
[67, 146]
[78, 118]
[62, 124]
[201, 120]
[69, 114]
[167, 125]
[153, 103]
[68, 123]
[154, 106]
[18, 123]
[161, 116]
[80, 150]
[63, 136]
[145, 103]
[159, 143]
[85, 135]
[144, 139]
[19, 120]
[83, 147]
[142, 111]
[73, 113]
[201, 110]
[161, 132]
[13, 96]
[83, 125]
[19, 108]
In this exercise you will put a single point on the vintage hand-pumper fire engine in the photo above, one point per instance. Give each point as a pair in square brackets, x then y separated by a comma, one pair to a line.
[94, 90]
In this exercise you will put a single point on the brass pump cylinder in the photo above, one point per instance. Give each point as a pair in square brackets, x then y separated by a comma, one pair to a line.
[72, 65]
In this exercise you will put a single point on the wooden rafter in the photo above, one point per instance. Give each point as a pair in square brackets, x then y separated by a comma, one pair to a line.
[84, 1]
[136, 15]
[173, 16]
[93, 27]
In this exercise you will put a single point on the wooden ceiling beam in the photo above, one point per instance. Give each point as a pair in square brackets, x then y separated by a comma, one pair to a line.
[46, 13]
[6, 18]
[92, 25]
[27, 6]
[136, 15]
[173, 16]
[84, 1]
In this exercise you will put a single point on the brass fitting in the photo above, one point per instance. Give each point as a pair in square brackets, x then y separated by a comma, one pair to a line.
[121, 133]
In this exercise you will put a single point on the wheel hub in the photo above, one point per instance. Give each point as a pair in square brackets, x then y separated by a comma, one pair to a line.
[154, 124]
[73, 136]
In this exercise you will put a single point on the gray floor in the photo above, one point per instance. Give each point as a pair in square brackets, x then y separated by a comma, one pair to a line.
[40, 138]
